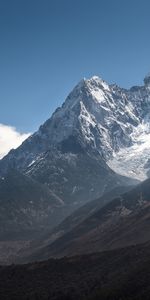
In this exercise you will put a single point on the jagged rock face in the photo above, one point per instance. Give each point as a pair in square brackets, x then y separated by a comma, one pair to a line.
[147, 80]
[98, 122]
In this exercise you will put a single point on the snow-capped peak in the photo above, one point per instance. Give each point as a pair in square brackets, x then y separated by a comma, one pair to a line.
[104, 117]
[97, 82]
[94, 82]
[112, 120]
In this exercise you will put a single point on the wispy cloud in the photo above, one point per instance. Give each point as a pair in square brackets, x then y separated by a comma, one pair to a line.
[10, 138]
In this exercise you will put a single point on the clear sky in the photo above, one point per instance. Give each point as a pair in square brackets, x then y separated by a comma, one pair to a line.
[47, 46]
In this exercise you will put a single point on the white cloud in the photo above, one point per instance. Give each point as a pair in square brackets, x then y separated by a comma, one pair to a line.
[10, 138]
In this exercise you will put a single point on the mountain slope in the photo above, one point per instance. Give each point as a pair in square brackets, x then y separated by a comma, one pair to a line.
[118, 274]
[67, 225]
[124, 221]
[25, 205]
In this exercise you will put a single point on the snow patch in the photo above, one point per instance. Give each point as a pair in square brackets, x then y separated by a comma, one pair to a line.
[131, 161]
[32, 162]
[98, 95]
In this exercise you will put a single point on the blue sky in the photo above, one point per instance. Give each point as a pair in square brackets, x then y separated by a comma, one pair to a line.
[47, 46]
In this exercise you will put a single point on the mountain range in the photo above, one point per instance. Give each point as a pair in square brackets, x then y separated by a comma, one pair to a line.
[96, 117]
[79, 165]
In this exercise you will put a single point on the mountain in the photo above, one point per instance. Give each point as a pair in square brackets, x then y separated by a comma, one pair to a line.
[68, 154]
[95, 146]
[122, 222]
[97, 119]
[118, 274]
[99, 131]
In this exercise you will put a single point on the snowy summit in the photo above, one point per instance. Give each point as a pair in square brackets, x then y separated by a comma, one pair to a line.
[106, 118]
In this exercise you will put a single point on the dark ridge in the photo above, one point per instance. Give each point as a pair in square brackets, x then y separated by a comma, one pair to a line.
[114, 275]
